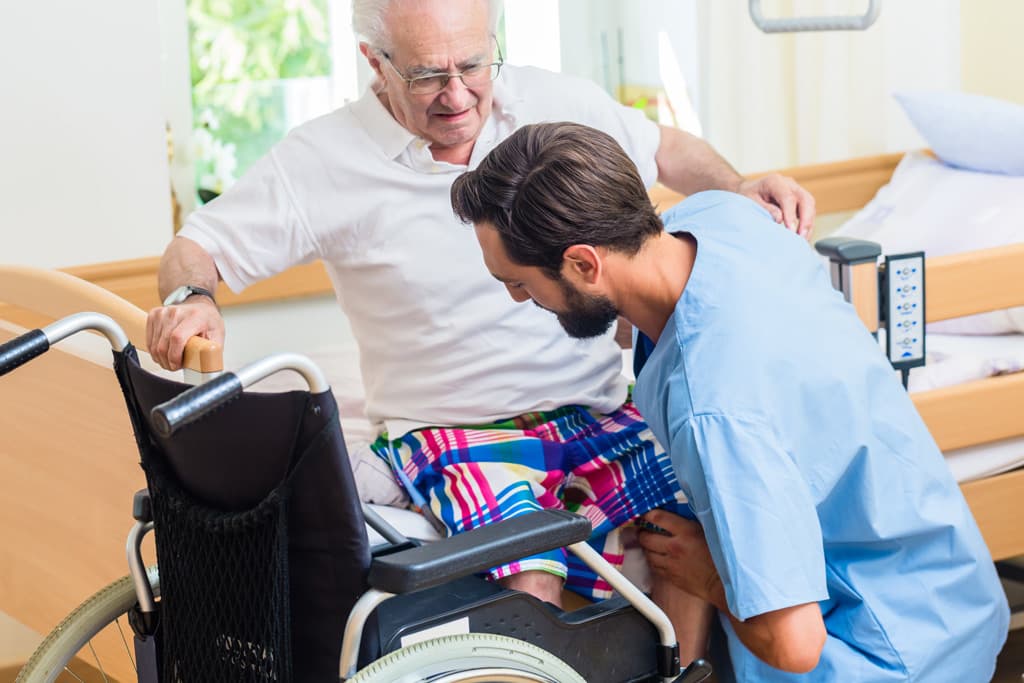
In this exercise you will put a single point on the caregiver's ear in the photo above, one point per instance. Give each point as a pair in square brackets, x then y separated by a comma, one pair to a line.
[582, 263]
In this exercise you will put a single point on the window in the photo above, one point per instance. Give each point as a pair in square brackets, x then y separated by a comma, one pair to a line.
[258, 69]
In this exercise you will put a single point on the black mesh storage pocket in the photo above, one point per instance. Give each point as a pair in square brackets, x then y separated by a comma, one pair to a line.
[224, 587]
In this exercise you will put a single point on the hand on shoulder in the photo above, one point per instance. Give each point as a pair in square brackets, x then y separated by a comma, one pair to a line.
[785, 200]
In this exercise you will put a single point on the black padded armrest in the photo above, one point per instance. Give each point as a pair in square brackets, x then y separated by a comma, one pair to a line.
[477, 550]
[847, 250]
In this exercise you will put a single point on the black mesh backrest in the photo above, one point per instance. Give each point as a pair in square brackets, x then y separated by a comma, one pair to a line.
[254, 504]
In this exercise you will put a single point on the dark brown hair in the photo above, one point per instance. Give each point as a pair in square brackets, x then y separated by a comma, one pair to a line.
[552, 185]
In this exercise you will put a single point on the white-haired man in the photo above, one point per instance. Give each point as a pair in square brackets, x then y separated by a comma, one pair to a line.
[488, 409]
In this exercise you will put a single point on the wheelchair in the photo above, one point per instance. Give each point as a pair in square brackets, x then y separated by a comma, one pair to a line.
[266, 572]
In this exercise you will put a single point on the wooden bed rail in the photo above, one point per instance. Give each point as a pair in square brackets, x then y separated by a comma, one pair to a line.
[974, 413]
[838, 186]
[974, 282]
[48, 295]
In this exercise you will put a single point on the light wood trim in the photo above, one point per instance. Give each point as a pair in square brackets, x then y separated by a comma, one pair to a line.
[52, 294]
[974, 282]
[997, 504]
[839, 186]
[975, 412]
[135, 281]
[864, 290]
[56, 294]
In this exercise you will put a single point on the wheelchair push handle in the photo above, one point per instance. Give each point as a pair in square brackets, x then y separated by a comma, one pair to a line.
[21, 350]
[33, 344]
[190, 405]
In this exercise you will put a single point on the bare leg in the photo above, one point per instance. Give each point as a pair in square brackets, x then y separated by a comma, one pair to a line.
[690, 616]
[543, 585]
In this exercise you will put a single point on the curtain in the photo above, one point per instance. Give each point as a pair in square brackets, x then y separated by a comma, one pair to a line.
[778, 100]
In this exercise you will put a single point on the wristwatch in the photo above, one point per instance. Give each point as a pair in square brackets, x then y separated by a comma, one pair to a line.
[185, 291]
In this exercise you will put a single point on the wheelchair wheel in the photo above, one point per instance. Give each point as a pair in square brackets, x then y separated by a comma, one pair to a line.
[469, 658]
[93, 641]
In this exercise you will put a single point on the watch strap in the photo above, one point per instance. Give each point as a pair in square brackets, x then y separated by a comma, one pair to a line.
[181, 294]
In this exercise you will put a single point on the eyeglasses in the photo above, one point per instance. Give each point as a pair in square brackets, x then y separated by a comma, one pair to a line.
[471, 76]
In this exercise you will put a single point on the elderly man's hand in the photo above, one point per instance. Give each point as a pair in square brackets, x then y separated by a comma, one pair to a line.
[785, 200]
[168, 329]
[682, 556]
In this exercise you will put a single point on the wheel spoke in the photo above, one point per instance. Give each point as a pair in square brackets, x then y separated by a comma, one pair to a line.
[99, 664]
[73, 674]
[127, 649]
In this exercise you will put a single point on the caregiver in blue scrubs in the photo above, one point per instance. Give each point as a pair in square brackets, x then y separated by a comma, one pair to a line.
[828, 532]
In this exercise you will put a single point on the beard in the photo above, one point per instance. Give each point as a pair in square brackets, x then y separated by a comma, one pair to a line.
[586, 315]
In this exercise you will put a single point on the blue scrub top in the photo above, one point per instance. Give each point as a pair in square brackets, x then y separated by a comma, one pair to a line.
[808, 466]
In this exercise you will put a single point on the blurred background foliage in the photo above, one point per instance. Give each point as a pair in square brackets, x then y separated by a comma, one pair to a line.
[245, 54]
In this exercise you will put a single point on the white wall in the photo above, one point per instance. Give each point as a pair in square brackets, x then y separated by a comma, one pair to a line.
[615, 42]
[993, 50]
[84, 175]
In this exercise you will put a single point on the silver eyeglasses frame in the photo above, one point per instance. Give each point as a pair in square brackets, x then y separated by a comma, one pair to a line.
[442, 79]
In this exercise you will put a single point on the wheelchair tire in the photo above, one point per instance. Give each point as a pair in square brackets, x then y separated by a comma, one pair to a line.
[81, 626]
[469, 658]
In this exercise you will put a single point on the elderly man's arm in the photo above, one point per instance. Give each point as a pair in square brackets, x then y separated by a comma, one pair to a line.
[687, 164]
[168, 328]
[790, 639]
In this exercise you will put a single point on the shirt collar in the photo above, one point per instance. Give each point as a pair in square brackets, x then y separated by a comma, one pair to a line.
[381, 126]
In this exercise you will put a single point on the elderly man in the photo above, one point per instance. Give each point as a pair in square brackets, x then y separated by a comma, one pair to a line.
[485, 408]
[829, 532]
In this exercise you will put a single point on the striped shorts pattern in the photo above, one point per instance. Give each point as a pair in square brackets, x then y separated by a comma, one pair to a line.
[608, 468]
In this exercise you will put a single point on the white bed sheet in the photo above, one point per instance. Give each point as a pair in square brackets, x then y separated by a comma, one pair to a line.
[955, 359]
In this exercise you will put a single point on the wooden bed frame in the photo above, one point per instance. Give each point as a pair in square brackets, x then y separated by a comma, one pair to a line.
[69, 460]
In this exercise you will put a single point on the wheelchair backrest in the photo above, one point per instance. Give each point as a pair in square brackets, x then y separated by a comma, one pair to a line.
[259, 532]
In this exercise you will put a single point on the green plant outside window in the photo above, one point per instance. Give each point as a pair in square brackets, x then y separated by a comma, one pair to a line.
[246, 56]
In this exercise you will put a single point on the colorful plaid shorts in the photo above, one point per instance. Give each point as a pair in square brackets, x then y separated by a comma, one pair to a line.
[608, 468]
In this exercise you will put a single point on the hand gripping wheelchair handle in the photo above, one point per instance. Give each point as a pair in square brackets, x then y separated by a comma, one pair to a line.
[190, 405]
[24, 348]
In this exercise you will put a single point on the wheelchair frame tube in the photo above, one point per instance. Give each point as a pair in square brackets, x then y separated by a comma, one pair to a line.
[381, 526]
[136, 567]
[72, 324]
[257, 370]
[353, 637]
[643, 604]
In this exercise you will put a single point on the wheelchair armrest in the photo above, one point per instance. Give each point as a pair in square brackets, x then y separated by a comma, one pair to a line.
[477, 550]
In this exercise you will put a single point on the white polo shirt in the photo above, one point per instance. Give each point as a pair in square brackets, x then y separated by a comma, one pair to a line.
[440, 340]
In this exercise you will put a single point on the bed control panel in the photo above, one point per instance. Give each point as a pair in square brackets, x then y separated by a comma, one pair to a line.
[903, 306]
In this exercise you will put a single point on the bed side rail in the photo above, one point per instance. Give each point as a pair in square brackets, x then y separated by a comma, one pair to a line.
[56, 295]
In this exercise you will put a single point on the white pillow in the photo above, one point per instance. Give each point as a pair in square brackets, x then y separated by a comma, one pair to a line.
[928, 206]
[969, 131]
